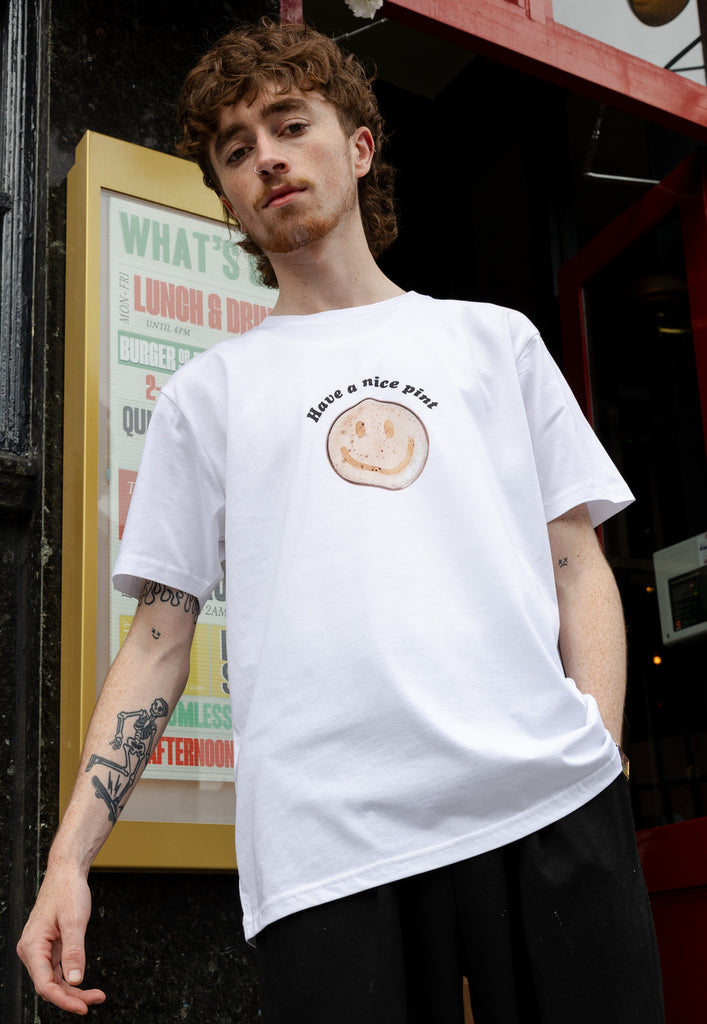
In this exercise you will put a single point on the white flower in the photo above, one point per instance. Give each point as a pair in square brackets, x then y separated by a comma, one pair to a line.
[364, 8]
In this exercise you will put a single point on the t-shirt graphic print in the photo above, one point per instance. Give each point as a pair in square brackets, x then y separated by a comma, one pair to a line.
[378, 444]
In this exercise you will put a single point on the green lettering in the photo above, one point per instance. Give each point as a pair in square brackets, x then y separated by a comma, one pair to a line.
[230, 267]
[181, 250]
[186, 715]
[201, 240]
[135, 233]
[160, 241]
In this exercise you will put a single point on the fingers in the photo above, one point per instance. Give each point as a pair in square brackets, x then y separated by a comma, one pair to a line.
[51, 986]
[52, 944]
[49, 983]
[73, 956]
[74, 1000]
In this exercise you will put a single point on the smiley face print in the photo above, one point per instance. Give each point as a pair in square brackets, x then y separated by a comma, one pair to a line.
[378, 444]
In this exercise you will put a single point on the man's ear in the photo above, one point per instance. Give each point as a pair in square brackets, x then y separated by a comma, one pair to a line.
[231, 212]
[364, 150]
[228, 206]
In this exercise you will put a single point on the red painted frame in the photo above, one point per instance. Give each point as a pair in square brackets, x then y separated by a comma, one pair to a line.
[523, 34]
[673, 856]
[684, 190]
[675, 867]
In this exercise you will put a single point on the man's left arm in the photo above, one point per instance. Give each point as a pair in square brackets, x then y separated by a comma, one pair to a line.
[592, 631]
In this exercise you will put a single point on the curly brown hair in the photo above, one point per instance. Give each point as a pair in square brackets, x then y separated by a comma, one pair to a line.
[293, 56]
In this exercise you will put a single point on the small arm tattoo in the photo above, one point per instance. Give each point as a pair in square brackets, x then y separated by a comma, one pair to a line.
[562, 562]
[153, 592]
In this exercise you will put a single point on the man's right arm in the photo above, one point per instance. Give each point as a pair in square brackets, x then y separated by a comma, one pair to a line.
[145, 682]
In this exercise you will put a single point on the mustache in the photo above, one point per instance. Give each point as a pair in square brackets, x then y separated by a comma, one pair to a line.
[298, 183]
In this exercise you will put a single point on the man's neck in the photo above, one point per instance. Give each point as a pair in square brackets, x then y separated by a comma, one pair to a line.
[321, 277]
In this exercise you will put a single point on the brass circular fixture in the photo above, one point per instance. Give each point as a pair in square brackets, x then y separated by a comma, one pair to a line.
[657, 12]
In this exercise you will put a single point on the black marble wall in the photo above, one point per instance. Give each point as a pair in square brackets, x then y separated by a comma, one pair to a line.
[165, 947]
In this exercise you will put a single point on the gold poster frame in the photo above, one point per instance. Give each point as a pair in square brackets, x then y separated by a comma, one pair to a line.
[107, 164]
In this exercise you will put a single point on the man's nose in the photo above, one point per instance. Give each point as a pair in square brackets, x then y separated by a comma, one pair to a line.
[269, 158]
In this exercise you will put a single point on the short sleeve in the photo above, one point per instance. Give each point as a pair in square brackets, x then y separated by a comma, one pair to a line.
[573, 467]
[174, 533]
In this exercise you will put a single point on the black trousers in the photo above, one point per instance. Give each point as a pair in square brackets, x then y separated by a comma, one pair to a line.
[555, 928]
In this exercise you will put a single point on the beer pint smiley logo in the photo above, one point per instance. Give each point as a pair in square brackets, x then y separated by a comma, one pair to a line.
[379, 444]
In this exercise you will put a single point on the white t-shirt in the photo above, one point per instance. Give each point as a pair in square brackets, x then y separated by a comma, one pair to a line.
[379, 480]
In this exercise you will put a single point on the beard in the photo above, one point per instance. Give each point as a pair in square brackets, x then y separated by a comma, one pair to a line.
[293, 228]
[293, 233]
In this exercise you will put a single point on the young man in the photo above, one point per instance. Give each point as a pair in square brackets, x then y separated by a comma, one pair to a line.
[404, 493]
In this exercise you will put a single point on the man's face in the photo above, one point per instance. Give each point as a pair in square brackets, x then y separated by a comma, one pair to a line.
[308, 168]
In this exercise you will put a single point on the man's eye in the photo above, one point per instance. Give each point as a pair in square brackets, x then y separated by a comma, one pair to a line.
[237, 155]
[294, 129]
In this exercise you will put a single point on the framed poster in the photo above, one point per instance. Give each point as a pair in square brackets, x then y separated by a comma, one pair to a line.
[153, 277]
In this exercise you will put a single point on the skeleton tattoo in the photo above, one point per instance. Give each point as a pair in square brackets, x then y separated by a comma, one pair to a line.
[136, 751]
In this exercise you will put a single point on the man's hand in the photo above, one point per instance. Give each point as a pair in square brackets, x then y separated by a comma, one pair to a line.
[150, 671]
[52, 944]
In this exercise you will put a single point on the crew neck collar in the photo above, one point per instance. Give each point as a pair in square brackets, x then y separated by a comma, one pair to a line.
[348, 313]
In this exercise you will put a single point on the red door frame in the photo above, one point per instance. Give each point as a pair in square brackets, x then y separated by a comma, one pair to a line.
[684, 190]
[674, 857]
[674, 862]
[523, 34]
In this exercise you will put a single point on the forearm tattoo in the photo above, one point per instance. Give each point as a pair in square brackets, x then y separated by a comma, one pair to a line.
[562, 563]
[152, 593]
[116, 778]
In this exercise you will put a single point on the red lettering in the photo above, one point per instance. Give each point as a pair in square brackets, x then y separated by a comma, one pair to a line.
[189, 752]
[196, 301]
[246, 316]
[152, 296]
[241, 315]
[177, 302]
[233, 319]
[157, 754]
[167, 300]
[182, 297]
[214, 311]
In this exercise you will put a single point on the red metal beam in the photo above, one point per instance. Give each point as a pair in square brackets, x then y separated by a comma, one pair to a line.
[575, 343]
[524, 36]
[684, 190]
[291, 12]
[694, 232]
[539, 10]
[677, 190]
